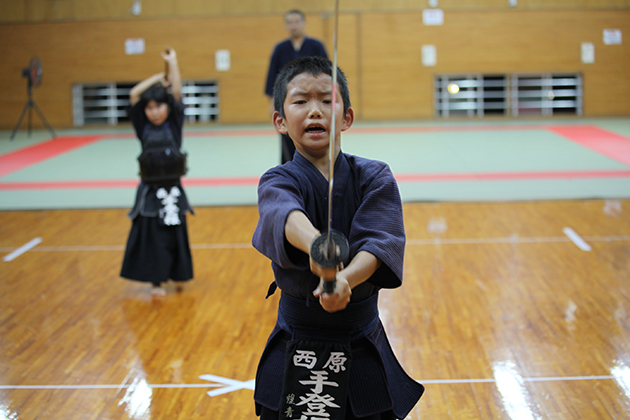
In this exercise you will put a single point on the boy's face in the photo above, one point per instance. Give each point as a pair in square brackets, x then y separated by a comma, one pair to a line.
[308, 114]
[157, 113]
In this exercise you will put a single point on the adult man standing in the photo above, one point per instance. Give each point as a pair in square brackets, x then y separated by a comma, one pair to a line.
[296, 46]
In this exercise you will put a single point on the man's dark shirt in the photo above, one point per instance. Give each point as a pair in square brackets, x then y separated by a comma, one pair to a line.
[284, 52]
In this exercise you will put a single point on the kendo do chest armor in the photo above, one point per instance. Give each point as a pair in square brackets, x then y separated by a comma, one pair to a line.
[161, 162]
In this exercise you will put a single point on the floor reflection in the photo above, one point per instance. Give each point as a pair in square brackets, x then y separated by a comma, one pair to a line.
[137, 400]
[159, 325]
[569, 316]
[516, 398]
[6, 413]
[621, 374]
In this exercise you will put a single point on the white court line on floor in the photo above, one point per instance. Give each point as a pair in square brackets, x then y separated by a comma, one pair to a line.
[435, 241]
[550, 379]
[206, 385]
[221, 246]
[576, 239]
[209, 385]
[511, 240]
[481, 241]
[88, 248]
[21, 250]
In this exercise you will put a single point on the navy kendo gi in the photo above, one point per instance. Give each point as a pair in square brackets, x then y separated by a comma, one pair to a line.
[368, 211]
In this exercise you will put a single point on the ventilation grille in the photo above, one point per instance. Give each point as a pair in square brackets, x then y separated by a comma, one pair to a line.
[107, 103]
[478, 95]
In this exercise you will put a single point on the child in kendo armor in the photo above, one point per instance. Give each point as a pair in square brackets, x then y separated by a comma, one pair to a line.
[158, 248]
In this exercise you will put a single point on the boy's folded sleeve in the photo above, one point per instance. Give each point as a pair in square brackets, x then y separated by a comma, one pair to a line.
[378, 226]
[277, 198]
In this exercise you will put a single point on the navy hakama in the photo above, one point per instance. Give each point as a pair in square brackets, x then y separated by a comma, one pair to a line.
[157, 247]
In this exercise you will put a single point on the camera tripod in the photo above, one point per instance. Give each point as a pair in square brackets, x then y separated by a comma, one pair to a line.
[30, 104]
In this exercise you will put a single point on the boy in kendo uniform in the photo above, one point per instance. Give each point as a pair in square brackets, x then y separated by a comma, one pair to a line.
[328, 355]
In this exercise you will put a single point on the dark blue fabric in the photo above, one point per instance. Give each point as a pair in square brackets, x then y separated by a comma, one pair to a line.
[175, 120]
[355, 322]
[367, 210]
[146, 203]
[155, 253]
[378, 384]
[284, 52]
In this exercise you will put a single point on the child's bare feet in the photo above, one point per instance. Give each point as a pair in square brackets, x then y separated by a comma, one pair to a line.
[157, 290]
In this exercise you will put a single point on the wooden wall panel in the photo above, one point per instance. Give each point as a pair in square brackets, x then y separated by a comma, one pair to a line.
[158, 9]
[573, 4]
[380, 53]
[397, 85]
[198, 8]
[57, 10]
[104, 9]
[82, 52]
[12, 11]
[454, 5]
[46, 10]
[349, 51]
[393, 79]
[251, 41]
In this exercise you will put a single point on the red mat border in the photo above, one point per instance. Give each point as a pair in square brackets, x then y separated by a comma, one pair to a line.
[596, 139]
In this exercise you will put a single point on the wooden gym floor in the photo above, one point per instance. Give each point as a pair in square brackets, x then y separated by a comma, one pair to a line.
[501, 315]
[508, 310]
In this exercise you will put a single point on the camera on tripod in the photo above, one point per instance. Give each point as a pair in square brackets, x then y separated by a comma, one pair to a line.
[34, 75]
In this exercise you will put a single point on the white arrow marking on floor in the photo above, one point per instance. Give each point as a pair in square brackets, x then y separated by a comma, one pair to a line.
[231, 385]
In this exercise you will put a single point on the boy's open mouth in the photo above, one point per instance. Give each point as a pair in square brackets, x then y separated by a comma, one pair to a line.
[315, 129]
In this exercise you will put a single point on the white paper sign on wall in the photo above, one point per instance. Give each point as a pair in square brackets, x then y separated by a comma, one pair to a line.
[429, 55]
[134, 46]
[222, 60]
[612, 36]
[588, 52]
[433, 16]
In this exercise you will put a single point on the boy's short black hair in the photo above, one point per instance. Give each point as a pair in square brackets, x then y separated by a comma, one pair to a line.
[313, 66]
[157, 93]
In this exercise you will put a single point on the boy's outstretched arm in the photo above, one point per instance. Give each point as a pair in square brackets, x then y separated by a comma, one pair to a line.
[301, 233]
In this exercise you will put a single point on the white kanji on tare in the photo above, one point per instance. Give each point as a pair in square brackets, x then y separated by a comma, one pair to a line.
[170, 212]
[304, 358]
[336, 361]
